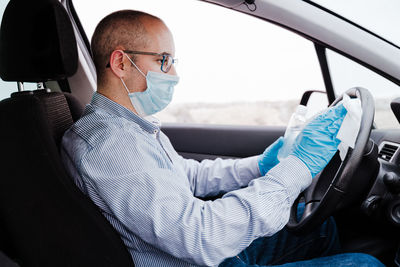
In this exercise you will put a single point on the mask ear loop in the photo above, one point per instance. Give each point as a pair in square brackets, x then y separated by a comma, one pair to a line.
[124, 85]
[133, 63]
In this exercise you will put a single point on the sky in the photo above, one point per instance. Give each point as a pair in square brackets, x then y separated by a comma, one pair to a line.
[225, 56]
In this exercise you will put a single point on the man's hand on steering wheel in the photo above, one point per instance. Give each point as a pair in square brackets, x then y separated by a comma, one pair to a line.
[317, 143]
[337, 183]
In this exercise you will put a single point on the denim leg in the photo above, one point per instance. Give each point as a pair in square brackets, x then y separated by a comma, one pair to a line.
[284, 247]
[346, 259]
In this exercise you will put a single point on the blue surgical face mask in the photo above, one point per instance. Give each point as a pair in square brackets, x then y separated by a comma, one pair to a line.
[158, 94]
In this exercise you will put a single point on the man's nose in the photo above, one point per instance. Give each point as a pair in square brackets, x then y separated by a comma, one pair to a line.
[172, 71]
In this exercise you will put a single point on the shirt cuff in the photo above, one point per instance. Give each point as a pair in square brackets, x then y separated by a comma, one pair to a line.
[248, 168]
[293, 174]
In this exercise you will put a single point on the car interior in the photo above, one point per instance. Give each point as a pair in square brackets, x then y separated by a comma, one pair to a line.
[45, 220]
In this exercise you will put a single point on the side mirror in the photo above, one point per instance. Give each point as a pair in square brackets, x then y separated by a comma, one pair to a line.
[315, 100]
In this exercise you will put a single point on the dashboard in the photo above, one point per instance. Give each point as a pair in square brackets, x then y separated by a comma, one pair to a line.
[383, 200]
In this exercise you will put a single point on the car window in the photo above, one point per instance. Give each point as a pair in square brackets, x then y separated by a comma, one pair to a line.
[6, 88]
[233, 68]
[347, 74]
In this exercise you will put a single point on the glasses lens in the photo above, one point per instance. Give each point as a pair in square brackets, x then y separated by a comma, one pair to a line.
[167, 63]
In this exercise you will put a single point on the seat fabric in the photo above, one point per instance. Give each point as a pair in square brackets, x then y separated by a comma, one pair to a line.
[45, 220]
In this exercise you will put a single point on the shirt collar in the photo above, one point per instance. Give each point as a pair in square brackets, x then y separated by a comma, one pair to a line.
[112, 107]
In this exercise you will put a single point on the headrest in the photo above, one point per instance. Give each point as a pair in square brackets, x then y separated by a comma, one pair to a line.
[37, 42]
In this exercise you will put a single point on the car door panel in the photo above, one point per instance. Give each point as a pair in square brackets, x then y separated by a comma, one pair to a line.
[206, 141]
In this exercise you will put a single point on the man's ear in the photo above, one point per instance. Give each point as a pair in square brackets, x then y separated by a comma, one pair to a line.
[117, 63]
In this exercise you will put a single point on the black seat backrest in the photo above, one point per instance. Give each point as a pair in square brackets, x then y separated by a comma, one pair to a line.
[45, 220]
[6, 261]
[75, 106]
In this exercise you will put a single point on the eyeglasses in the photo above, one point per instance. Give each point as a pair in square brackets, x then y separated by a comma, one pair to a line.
[166, 63]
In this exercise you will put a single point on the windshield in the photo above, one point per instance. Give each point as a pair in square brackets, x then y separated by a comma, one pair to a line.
[380, 17]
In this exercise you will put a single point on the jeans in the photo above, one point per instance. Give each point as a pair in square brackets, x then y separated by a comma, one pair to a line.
[285, 249]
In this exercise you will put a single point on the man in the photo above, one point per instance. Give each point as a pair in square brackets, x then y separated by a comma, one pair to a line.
[152, 196]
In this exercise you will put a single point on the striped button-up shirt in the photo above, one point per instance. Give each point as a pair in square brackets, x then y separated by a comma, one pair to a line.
[153, 197]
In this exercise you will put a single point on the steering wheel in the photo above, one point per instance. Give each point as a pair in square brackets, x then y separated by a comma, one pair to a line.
[333, 186]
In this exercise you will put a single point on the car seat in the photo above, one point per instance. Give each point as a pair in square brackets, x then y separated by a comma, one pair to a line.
[45, 220]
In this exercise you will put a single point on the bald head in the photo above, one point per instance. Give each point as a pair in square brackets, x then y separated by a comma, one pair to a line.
[124, 29]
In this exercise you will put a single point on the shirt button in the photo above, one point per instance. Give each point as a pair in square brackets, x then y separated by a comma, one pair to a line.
[155, 131]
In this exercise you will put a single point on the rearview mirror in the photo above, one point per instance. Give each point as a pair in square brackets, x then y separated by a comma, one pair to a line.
[315, 100]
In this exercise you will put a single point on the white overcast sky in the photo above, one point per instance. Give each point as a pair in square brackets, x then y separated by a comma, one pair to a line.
[223, 53]
[225, 56]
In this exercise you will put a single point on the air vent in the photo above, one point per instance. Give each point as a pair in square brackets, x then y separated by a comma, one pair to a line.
[388, 150]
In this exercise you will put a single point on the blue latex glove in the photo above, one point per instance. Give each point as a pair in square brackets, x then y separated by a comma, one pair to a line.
[317, 143]
[269, 158]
